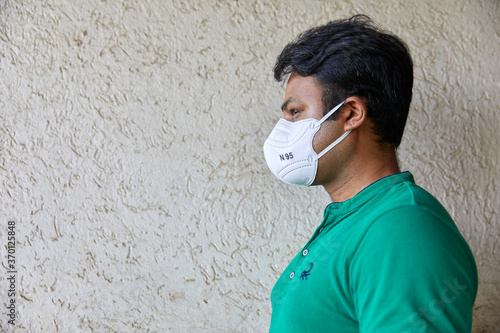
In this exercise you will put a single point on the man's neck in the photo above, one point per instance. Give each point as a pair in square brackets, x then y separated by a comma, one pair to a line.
[361, 175]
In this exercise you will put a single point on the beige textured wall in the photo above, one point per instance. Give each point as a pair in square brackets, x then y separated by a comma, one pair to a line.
[131, 159]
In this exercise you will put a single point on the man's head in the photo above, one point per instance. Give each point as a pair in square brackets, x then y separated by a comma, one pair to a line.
[354, 58]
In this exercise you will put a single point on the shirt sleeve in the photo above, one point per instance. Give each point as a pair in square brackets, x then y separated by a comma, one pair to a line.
[413, 272]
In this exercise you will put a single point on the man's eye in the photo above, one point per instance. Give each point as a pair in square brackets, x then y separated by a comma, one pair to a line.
[293, 112]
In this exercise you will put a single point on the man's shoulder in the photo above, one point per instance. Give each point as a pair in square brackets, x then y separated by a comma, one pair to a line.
[409, 198]
[404, 210]
[408, 222]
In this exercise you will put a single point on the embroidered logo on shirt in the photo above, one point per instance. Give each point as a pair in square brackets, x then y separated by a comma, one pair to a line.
[305, 273]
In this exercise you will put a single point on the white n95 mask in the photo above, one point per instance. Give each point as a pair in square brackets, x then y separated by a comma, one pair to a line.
[289, 149]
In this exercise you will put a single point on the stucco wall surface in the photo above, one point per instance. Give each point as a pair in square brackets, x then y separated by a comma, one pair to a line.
[131, 154]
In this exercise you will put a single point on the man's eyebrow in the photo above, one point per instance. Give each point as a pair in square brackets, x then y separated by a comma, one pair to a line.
[288, 101]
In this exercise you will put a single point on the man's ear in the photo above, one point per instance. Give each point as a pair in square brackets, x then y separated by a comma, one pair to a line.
[354, 112]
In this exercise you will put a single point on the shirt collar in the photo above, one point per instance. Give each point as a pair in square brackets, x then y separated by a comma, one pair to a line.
[367, 193]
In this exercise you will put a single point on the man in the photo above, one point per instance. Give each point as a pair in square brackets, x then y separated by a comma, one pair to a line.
[387, 256]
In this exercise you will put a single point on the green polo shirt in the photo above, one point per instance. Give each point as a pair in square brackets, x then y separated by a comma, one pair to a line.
[388, 260]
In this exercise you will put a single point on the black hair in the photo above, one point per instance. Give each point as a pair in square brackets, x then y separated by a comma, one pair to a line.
[353, 57]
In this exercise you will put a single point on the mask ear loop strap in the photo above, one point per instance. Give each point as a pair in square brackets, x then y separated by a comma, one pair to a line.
[333, 144]
[332, 111]
[336, 142]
